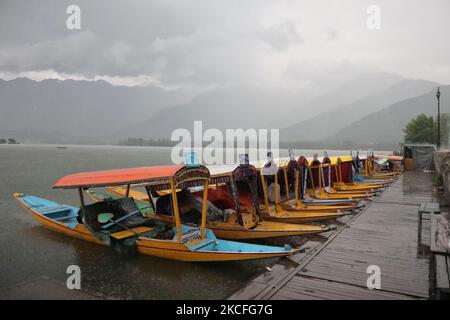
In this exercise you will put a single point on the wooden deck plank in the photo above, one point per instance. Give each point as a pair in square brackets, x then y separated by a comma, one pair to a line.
[385, 234]
[442, 276]
[301, 287]
[392, 283]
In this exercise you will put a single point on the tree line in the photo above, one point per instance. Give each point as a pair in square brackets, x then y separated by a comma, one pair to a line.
[424, 129]
[421, 129]
[141, 142]
[8, 141]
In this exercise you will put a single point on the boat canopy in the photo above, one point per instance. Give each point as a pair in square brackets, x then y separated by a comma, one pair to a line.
[157, 175]
[336, 159]
[287, 162]
[221, 171]
[390, 157]
[227, 171]
[333, 160]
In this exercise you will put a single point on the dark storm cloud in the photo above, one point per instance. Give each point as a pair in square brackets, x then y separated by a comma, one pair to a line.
[218, 42]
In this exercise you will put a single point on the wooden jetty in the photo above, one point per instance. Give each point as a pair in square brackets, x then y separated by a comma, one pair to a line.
[384, 235]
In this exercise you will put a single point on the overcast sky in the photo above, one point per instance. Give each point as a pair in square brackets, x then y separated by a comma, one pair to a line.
[208, 43]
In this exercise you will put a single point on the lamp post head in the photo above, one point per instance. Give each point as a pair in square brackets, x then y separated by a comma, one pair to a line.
[438, 93]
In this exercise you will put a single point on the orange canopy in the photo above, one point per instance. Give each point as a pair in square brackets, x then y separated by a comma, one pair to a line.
[390, 157]
[117, 177]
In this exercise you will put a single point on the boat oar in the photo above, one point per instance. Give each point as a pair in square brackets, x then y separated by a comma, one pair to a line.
[107, 217]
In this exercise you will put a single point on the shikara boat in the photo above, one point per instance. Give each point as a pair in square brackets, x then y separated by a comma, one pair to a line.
[244, 220]
[371, 172]
[308, 186]
[328, 179]
[249, 198]
[293, 174]
[120, 223]
[320, 183]
[363, 173]
[339, 184]
[273, 209]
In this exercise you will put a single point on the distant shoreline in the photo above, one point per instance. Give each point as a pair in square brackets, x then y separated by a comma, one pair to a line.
[115, 146]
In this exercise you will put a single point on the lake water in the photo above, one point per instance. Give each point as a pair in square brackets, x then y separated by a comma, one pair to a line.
[29, 251]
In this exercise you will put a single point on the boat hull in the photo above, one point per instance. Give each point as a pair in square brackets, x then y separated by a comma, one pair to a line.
[351, 188]
[312, 202]
[264, 230]
[167, 249]
[301, 206]
[330, 196]
[179, 253]
[300, 217]
[380, 177]
[379, 182]
[79, 232]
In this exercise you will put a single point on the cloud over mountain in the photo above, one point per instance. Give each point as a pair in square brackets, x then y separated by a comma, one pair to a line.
[204, 44]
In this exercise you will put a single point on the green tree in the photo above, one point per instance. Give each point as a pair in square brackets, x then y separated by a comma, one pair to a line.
[423, 129]
[419, 130]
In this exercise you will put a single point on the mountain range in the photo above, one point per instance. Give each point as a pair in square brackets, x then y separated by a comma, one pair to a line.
[253, 107]
[54, 111]
[387, 124]
[70, 111]
[327, 124]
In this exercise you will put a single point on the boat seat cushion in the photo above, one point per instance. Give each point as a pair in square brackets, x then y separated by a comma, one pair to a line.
[58, 209]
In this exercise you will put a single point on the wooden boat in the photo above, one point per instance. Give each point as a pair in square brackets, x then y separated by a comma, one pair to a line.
[339, 184]
[244, 221]
[275, 211]
[357, 176]
[371, 171]
[320, 190]
[366, 173]
[294, 186]
[180, 242]
[328, 179]
[388, 157]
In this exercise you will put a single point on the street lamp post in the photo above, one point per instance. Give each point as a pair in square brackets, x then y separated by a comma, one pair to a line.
[438, 95]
